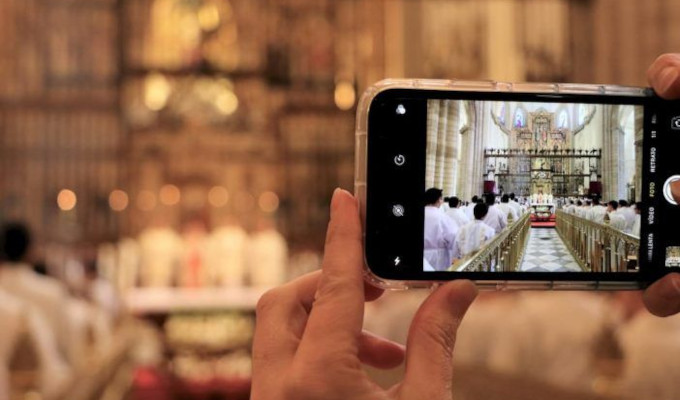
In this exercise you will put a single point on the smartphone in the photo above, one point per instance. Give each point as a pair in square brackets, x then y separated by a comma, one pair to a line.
[499, 183]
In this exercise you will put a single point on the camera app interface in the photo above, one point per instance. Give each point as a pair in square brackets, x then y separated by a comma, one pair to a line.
[532, 187]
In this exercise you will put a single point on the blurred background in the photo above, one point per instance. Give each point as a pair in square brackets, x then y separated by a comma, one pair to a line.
[172, 159]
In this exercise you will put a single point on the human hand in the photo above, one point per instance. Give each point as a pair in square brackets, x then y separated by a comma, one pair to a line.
[309, 342]
[662, 298]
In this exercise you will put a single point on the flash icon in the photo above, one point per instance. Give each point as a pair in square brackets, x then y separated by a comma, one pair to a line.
[397, 261]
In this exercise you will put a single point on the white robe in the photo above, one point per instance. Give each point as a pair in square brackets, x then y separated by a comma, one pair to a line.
[617, 221]
[508, 211]
[161, 252]
[43, 293]
[496, 219]
[439, 238]
[21, 319]
[470, 211]
[226, 255]
[471, 238]
[515, 206]
[597, 214]
[635, 231]
[458, 216]
[267, 255]
[629, 214]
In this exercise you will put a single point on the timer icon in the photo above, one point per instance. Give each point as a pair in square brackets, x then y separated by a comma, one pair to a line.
[399, 160]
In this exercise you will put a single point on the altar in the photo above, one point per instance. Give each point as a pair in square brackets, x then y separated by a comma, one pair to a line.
[542, 209]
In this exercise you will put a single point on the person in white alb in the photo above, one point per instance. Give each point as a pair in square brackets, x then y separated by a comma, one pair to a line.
[515, 205]
[616, 220]
[267, 255]
[160, 255]
[456, 213]
[494, 217]
[635, 231]
[474, 235]
[440, 233]
[32, 305]
[226, 254]
[507, 209]
[469, 209]
[628, 213]
[598, 211]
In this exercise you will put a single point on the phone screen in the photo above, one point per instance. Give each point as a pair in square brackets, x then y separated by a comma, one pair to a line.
[521, 186]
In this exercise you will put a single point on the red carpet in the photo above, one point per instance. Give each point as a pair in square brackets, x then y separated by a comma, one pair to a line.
[543, 224]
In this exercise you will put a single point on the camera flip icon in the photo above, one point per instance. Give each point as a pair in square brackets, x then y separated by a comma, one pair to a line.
[675, 123]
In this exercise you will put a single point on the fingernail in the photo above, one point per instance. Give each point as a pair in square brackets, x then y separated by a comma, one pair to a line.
[335, 200]
[670, 287]
[675, 280]
[667, 78]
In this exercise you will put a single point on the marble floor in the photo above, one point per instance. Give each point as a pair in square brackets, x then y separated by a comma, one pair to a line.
[546, 253]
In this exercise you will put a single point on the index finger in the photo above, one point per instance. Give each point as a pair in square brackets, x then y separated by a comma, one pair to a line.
[336, 318]
[664, 76]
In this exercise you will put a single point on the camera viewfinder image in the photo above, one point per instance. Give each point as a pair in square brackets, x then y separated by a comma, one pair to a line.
[672, 256]
[530, 186]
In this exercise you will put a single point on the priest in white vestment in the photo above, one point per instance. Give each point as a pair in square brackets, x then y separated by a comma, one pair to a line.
[440, 232]
[597, 212]
[628, 213]
[267, 255]
[494, 217]
[507, 209]
[474, 235]
[456, 213]
[161, 250]
[616, 220]
[226, 253]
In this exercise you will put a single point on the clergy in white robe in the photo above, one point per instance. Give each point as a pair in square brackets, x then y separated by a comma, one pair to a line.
[226, 254]
[628, 213]
[469, 209]
[597, 212]
[474, 235]
[440, 232]
[161, 250]
[494, 217]
[456, 213]
[267, 256]
[616, 220]
[515, 205]
[635, 231]
[507, 209]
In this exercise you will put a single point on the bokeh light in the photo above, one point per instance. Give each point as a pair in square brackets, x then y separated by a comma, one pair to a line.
[66, 200]
[157, 90]
[268, 202]
[170, 195]
[218, 196]
[345, 95]
[118, 200]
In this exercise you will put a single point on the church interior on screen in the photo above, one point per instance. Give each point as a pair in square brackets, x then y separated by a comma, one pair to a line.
[524, 180]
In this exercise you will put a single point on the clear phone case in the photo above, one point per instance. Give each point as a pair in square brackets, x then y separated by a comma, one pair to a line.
[360, 173]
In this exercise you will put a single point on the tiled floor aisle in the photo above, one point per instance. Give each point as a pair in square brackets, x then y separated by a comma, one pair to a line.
[546, 253]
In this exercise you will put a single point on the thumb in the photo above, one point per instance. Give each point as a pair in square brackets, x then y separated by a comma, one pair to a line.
[664, 76]
[429, 349]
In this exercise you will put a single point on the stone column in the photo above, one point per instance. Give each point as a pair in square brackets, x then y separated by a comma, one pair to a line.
[431, 152]
[610, 153]
[450, 148]
[638, 152]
